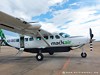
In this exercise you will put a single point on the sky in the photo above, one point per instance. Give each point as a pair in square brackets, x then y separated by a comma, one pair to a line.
[74, 17]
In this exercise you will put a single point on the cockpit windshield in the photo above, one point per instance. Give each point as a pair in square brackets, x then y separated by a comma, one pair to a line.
[64, 35]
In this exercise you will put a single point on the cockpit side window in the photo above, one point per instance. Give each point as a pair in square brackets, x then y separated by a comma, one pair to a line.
[64, 35]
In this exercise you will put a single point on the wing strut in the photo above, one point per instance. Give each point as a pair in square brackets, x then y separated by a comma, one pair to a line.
[43, 38]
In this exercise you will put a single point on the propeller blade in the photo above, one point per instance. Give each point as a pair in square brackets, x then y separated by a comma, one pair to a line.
[91, 36]
[91, 45]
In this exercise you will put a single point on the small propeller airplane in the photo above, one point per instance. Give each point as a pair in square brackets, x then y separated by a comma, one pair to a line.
[33, 39]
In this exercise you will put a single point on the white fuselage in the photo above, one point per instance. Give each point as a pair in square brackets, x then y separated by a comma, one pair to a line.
[54, 41]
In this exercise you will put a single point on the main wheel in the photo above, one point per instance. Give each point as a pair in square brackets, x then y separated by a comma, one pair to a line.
[39, 56]
[83, 55]
[51, 53]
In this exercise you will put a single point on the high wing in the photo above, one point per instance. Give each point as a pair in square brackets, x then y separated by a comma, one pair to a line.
[13, 24]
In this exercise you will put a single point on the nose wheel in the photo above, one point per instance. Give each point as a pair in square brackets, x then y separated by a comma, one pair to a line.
[39, 56]
[83, 55]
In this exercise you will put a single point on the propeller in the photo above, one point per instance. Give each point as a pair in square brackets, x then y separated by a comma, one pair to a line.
[91, 39]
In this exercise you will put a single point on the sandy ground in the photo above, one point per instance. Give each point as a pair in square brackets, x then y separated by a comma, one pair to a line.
[69, 63]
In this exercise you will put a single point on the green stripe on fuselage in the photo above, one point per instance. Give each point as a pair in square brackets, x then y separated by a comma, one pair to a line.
[67, 42]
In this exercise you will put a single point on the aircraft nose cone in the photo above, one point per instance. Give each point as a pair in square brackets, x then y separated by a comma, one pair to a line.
[86, 39]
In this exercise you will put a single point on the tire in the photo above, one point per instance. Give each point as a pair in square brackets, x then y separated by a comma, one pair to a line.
[51, 53]
[83, 55]
[39, 57]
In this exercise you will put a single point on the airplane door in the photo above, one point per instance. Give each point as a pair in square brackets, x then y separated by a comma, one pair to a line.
[22, 42]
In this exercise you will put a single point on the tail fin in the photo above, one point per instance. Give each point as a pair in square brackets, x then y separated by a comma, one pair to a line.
[2, 34]
[3, 38]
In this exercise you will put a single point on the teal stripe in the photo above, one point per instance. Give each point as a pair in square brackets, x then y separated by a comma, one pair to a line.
[3, 37]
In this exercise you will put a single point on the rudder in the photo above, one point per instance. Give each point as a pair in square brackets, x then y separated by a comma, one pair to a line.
[3, 38]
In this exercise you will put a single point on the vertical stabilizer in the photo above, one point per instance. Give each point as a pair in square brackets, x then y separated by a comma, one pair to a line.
[3, 38]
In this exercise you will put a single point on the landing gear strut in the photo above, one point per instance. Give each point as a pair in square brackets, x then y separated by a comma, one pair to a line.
[83, 54]
[51, 52]
[39, 56]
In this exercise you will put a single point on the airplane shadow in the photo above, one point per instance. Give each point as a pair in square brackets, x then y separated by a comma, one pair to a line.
[30, 59]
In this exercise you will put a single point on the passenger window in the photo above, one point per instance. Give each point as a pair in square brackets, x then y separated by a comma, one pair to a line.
[57, 37]
[31, 39]
[46, 37]
[38, 38]
[26, 39]
[51, 37]
[17, 40]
